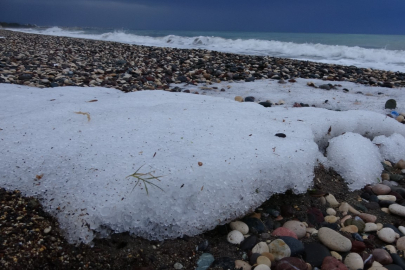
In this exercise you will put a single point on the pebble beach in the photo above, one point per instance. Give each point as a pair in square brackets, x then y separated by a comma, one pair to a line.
[329, 227]
[52, 61]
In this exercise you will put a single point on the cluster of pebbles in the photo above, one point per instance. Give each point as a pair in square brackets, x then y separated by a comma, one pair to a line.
[52, 61]
[347, 236]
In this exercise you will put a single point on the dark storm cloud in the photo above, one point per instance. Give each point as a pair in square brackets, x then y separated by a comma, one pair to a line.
[343, 16]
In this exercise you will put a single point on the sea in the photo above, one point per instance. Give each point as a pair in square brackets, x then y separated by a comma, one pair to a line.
[385, 52]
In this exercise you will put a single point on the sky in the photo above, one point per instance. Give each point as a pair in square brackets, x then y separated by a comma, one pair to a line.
[312, 16]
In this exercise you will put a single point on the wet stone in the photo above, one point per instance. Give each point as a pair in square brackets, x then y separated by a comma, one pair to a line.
[291, 263]
[396, 259]
[315, 253]
[248, 243]
[255, 225]
[331, 263]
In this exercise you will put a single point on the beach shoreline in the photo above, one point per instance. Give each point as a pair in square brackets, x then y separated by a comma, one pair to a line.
[53, 61]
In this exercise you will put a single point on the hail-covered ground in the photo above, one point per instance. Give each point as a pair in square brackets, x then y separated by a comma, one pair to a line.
[163, 164]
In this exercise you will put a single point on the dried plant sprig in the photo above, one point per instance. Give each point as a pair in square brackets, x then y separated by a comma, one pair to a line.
[145, 178]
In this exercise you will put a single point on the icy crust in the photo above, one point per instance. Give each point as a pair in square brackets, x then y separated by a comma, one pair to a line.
[392, 148]
[355, 158]
[218, 159]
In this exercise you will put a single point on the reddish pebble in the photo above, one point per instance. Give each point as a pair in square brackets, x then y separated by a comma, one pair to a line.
[331, 263]
[358, 246]
[291, 263]
[281, 231]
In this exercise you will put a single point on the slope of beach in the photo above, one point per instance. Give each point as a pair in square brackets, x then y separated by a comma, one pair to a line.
[31, 239]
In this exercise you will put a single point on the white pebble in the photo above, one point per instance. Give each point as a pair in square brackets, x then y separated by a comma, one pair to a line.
[388, 235]
[235, 237]
[239, 226]
[353, 261]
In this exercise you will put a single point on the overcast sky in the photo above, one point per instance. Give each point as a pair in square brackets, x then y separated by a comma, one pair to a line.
[321, 16]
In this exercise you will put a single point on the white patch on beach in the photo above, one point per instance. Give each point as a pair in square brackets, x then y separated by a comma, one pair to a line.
[218, 159]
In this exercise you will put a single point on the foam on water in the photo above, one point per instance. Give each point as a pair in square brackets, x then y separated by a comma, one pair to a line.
[377, 58]
[218, 159]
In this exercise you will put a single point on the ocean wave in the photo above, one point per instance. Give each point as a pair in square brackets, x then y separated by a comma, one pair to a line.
[335, 54]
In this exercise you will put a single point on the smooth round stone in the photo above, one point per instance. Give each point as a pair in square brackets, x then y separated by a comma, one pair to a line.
[297, 227]
[296, 246]
[387, 198]
[380, 189]
[235, 237]
[263, 260]
[401, 243]
[334, 240]
[279, 249]
[379, 226]
[315, 253]
[239, 98]
[396, 259]
[350, 229]
[239, 226]
[331, 219]
[291, 263]
[331, 212]
[260, 248]
[354, 261]
[205, 260]
[370, 227]
[282, 231]
[315, 216]
[397, 209]
[402, 229]
[387, 235]
[368, 217]
[255, 224]
[262, 267]
[358, 246]
[248, 243]
[331, 263]
[382, 256]
[332, 200]
[239, 264]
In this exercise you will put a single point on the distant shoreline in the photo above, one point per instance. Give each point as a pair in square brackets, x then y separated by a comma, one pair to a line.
[53, 61]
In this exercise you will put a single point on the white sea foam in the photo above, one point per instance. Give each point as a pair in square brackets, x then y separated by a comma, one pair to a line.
[384, 59]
